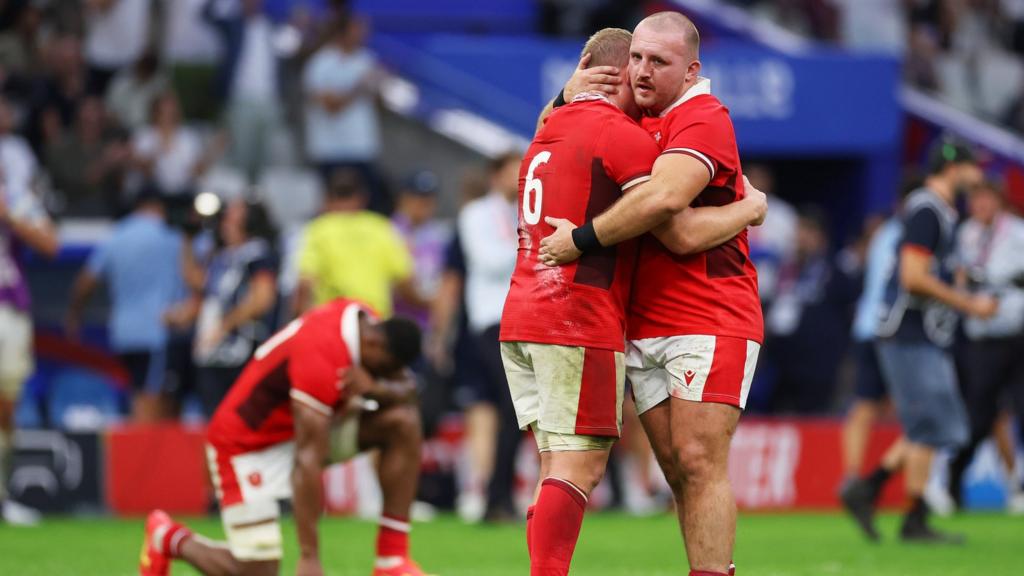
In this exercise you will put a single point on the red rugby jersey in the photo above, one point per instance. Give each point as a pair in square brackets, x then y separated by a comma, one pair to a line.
[714, 292]
[304, 361]
[576, 168]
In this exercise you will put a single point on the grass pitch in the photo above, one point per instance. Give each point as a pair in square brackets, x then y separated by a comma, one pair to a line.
[610, 545]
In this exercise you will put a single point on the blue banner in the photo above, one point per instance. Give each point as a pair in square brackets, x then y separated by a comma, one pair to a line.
[820, 103]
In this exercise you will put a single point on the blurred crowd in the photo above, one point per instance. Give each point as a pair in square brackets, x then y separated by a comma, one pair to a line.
[968, 53]
[104, 98]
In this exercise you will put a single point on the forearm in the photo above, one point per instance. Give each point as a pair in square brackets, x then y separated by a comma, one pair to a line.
[40, 237]
[307, 500]
[256, 303]
[930, 286]
[699, 229]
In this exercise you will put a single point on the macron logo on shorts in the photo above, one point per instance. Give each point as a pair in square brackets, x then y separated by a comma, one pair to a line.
[688, 375]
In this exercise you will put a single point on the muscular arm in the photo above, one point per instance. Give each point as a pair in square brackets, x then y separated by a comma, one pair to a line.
[675, 181]
[699, 229]
[311, 449]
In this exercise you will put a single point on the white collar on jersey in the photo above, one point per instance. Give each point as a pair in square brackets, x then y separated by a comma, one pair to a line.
[587, 96]
[703, 86]
[350, 330]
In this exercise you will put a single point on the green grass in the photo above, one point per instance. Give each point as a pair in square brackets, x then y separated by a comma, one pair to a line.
[610, 545]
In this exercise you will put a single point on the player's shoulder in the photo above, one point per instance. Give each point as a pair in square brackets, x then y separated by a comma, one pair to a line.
[700, 108]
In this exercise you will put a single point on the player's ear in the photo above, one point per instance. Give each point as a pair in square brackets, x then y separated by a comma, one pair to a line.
[693, 71]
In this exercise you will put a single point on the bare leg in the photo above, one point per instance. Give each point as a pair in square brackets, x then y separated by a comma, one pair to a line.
[481, 430]
[919, 467]
[657, 424]
[701, 435]
[896, 456]
[856, 433]
[214, 559]
[397, 432]
[1003, 435]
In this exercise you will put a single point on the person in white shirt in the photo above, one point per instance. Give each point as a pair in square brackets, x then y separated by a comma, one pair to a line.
[166, 152]
[989, 248]
[490, 242]
[117, 32]
[340, 83]
[191, 50]
[250, 82]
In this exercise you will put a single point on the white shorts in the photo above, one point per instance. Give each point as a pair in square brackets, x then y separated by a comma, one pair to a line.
[16, 360]
[249, 486]
[694, 367]
[565, 390]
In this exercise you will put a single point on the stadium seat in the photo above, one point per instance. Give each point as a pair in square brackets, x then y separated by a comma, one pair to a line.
[82, 400]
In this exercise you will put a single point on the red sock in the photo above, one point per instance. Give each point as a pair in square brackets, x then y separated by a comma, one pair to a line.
[173, 539]
[393, 537]
[529, 529]
[557, 518]
[732, 569]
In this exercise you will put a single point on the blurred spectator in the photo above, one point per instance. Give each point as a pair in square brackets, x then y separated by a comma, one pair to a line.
[86, 165]
[487, 230]
[342, 128]
[191, 50]
[989, 246]
[132, 92]
[1014, 116]
[138, 263]
[18, 164]
[23, 224]
[920, 68]
[248, 79]
[451, 350]
[774, 241]
[873, 24]
[117, 33]
[62, 88]
[21, 46]
[166, 153]
[239, 294]
[427, 238]
[812, 304]
[351, 252]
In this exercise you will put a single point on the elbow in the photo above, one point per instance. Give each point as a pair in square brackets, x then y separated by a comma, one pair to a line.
[910, 281]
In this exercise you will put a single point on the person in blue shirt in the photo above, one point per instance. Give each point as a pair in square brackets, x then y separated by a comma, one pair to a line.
[140, 264]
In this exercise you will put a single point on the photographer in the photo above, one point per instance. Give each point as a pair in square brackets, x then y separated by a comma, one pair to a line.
[989, 248]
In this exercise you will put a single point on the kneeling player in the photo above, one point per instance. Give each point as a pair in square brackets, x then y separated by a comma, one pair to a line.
[282, 420]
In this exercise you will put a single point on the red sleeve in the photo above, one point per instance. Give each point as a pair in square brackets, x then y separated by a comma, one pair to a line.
[703, 133]
[315, 368]
[629, 153]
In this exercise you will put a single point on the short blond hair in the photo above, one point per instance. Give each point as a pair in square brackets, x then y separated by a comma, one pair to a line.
[608, 47]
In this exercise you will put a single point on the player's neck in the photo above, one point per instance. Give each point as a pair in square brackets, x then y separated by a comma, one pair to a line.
[942, 188]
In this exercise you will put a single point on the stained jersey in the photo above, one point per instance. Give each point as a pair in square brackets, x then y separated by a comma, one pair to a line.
[305, 361]
[586, 154]
[713, 292]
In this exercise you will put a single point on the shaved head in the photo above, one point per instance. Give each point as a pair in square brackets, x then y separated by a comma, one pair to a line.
[675, 23]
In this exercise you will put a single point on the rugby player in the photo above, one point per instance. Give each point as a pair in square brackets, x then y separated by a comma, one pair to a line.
[292, 410]
[695, 323]
[563, 329]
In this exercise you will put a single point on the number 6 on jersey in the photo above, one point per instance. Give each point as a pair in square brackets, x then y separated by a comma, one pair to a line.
[534, 187]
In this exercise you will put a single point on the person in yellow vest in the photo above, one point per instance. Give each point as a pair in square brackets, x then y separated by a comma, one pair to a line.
[351, 252]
